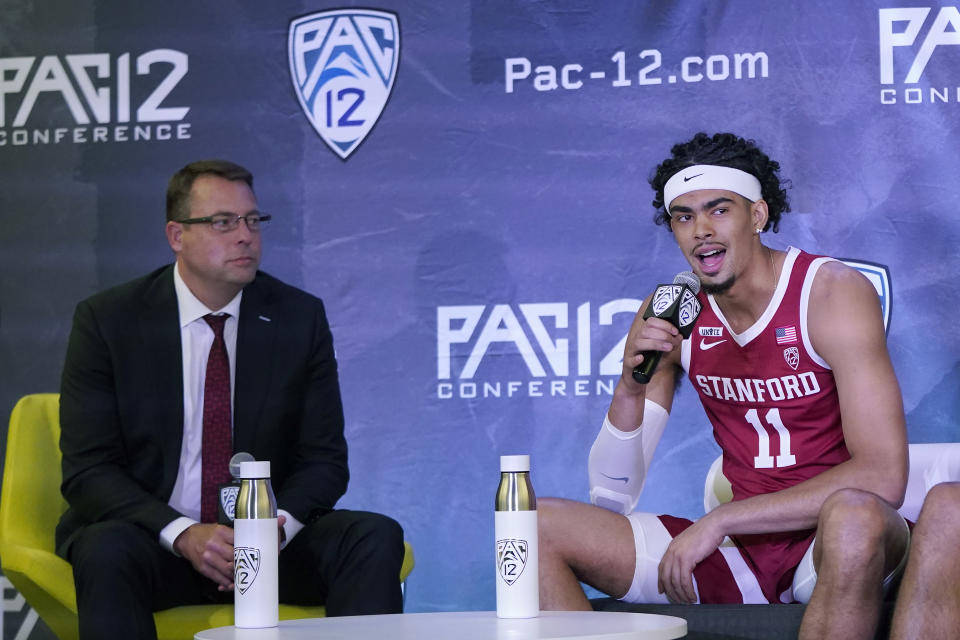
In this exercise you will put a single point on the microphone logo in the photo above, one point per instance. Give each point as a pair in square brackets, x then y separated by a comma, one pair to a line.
[228, 499]
[689, 309]
[664, 296]
[676, 302]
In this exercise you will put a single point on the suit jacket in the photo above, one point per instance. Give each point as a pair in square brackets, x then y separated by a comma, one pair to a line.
[121, 403]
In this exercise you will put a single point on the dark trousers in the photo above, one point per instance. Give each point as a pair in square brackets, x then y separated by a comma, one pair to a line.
[347, 560]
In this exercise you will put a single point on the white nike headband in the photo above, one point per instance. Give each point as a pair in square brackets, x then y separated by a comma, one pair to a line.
[710, 176]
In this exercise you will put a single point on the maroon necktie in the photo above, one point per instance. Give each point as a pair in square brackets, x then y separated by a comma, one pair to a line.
[217, 446]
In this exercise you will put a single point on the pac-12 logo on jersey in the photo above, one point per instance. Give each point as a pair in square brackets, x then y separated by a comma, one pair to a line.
[343, 63]
[792, 356]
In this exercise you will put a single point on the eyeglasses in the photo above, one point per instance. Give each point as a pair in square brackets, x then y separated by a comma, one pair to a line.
[225, 222]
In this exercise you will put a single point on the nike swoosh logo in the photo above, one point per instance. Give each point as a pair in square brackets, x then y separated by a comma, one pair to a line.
[689, 178]
[704, 345]
[624, 479]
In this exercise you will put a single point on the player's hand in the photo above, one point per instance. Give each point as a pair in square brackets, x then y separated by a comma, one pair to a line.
[683, 554]
[281, 520]
[209, 548]
[650, 334]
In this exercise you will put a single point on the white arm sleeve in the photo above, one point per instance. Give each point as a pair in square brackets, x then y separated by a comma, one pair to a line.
[618, 460]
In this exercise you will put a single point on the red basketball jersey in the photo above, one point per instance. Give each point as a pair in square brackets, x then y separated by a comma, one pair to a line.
[773, 404]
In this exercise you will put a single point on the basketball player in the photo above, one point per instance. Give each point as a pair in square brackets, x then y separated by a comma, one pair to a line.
[790, 362]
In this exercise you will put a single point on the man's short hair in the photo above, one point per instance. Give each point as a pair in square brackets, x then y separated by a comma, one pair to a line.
[726, 150]
[178, 191]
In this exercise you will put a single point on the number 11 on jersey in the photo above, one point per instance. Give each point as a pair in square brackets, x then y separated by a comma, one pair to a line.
[763, 460]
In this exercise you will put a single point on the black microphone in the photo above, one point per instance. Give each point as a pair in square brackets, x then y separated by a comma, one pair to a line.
[677, 304]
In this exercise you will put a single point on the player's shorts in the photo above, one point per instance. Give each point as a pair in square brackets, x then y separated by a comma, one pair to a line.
[757, 569]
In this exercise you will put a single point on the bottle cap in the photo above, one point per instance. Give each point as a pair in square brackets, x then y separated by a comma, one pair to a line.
[255, 469]
[514, 463]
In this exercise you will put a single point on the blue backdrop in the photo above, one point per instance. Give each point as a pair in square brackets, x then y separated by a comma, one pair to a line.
[464, 184]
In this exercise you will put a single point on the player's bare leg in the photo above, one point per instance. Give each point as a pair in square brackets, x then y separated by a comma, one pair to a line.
[581, 542]
[860, 540]
[928, 605]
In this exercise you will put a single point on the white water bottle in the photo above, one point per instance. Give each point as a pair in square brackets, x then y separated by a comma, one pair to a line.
[256, 551]
[518, 568]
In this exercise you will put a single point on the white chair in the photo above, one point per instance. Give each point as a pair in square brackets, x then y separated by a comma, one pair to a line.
[930, 464]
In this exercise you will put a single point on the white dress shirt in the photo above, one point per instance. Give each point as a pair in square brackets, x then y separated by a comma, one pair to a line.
[196, 338]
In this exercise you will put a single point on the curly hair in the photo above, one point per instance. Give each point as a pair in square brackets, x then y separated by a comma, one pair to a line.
[727, 150]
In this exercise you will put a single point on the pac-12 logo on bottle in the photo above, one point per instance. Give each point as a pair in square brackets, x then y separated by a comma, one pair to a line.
[246, 563]
[511, 558]
[343, 63]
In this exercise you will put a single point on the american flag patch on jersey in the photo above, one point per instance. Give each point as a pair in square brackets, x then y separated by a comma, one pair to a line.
[786, 335]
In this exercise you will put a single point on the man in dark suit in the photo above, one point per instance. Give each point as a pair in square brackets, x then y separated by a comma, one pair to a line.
[138, 461]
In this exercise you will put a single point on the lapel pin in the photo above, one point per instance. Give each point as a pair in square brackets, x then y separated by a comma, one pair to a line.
[265, 318]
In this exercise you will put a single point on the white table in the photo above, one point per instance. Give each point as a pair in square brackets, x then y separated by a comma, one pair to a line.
[468, 625]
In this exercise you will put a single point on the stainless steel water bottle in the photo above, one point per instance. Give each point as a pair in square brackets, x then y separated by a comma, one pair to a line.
[255, 549]
[518, 579]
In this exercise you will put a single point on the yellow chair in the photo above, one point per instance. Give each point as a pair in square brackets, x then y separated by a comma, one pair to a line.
[30, 507]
